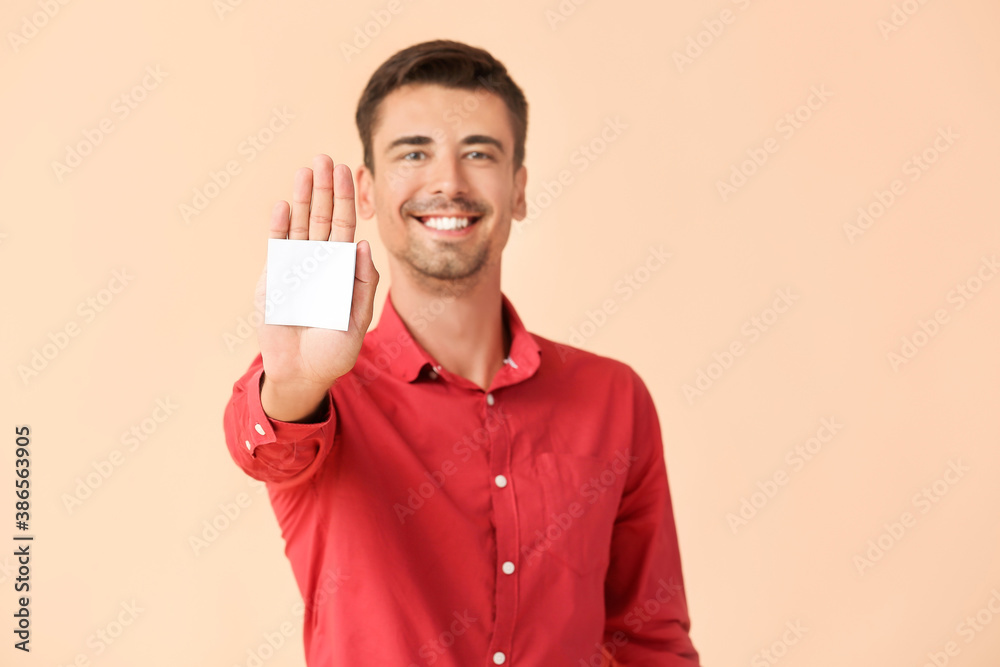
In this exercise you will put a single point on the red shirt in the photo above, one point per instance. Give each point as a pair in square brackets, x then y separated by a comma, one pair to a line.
[429, 522]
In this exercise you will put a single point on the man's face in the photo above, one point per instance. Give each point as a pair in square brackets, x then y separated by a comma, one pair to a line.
[444, 187]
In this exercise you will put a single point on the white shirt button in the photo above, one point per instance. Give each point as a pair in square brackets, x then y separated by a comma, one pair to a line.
[508, 567]
[248, 444]
[489, 399]
[498, 658]
[259, 428]
[501, 481]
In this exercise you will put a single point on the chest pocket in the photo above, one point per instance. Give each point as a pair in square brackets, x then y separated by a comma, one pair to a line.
[580, 496]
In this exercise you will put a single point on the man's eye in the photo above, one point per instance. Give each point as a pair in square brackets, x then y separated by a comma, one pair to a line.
[407, 156]
[481, 155]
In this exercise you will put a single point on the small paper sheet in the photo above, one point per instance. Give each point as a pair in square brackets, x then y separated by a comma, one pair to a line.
[310, 283]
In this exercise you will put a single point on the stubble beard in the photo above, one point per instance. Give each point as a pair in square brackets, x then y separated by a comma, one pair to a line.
[446, 270]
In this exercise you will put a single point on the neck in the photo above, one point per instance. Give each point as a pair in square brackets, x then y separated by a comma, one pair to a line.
[460, 325]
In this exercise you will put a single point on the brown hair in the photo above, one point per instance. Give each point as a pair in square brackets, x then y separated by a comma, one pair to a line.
[446, 63]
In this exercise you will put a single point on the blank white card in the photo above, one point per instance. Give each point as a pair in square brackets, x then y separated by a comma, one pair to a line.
[310, 283]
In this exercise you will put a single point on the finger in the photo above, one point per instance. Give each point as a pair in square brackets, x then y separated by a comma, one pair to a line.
[301, 194]
[321, 209]
[345, 217]
[278, 228]
[365, 283]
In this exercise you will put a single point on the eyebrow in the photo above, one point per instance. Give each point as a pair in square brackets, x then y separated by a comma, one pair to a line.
[421, 140]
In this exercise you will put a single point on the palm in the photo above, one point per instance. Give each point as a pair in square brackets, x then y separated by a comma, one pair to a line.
[313, 356]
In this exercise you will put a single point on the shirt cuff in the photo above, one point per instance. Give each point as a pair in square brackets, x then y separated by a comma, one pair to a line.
[262, 430]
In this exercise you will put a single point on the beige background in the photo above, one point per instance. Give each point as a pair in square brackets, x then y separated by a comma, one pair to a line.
[164, 336]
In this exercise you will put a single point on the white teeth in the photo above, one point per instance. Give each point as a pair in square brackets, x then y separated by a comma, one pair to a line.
[447, 223]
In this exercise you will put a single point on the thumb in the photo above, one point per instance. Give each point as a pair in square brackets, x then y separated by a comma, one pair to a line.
[365, 283]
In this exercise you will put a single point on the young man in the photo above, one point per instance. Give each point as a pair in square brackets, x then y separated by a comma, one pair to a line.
[452, 489]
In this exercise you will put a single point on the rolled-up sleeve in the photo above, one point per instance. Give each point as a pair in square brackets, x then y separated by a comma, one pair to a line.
[270, 450]
[646, 606]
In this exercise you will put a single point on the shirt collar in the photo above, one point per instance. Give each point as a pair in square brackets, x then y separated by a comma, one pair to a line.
[412, 358]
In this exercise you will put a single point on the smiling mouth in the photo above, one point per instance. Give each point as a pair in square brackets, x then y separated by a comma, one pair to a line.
[447, 222]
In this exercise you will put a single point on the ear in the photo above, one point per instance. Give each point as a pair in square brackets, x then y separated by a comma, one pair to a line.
[520, 180]
[364, 198]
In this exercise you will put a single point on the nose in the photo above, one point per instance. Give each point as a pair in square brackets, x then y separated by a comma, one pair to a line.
[448, 178]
